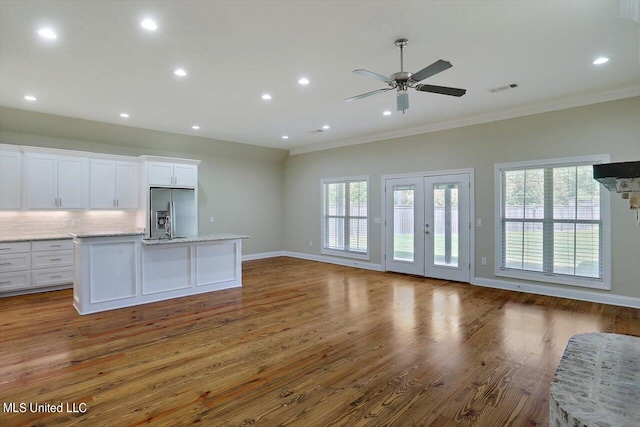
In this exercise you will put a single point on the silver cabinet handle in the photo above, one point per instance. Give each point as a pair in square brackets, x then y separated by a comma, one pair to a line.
[56, 259]
[5, 249]
[5, 282]
[60, 202]
[5, 263]
[117, 202]
[55, 277]
[55, 246]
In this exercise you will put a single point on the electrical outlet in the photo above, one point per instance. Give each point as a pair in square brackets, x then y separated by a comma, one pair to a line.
[65, 223]
[210, 219]
[310, 242]
[479, 222]
[483, 261]
[75, 223]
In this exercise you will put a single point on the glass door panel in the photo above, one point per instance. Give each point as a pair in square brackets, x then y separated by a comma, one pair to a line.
[445, 224]
[403, 222]
[447, 227]
[404, 247]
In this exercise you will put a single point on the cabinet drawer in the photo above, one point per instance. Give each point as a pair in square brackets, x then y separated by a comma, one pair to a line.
[51, 276]
[15, 262]
[51, 259]
[15, 281]
[14, 247]
[52, 245]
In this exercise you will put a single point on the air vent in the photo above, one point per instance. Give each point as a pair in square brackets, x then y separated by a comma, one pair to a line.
[503, 88]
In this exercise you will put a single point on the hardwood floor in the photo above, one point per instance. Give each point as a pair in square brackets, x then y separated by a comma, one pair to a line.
[301, 344]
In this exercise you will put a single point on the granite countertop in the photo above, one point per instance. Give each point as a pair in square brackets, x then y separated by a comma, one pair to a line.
[191, 239]
[40, 237]
[88, 234]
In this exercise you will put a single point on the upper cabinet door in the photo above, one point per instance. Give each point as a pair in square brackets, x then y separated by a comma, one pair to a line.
[102, 193]
[41, 181]
[160, 174]
[185, 175]
[10, 180]
[127, 186]
[73, 182]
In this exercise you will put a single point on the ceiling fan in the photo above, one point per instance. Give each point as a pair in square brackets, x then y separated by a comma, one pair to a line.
[404, 79]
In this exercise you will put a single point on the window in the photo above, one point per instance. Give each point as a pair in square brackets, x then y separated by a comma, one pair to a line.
[553, 223]
[345, 224]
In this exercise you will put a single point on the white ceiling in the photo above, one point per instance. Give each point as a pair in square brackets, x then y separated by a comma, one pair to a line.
[104, 63]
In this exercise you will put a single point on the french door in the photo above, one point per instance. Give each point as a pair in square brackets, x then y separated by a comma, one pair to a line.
[427, 226]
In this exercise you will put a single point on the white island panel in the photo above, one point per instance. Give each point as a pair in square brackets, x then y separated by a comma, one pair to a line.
[166, 268]
[112, 270]
[217, 263]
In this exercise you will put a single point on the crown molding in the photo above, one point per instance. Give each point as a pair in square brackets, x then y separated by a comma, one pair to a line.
[627, 92]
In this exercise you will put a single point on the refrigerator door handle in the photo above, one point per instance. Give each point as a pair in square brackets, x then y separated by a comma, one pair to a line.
[173, 219]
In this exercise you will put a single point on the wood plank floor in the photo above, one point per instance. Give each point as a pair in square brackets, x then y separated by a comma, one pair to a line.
[301, 344]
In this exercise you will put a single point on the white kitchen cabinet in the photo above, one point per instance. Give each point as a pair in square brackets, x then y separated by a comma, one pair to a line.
[185, 175]
[127, 185]
[42, 181]
[73, 182]
[10, 179]
[37, 264]
[56, 182]
[172, 174]
[113, 184]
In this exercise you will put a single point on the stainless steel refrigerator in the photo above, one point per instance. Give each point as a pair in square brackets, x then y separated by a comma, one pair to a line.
[172, 213]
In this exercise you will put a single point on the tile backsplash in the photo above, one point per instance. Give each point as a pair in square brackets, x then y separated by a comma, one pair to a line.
[32, 223]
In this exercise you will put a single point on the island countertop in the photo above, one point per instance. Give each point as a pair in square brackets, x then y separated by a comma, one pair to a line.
[191, 239]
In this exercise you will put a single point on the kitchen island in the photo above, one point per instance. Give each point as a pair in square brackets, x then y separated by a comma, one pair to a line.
[115, 270]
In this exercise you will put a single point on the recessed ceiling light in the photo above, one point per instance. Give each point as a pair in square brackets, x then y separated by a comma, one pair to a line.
[47, 33]
[325, 127]
[303, 81]
[266, 97]
[149, 24]
[30, 98]
[386, 113]
[180, 72]
[124, 115]
[601, 60]
[195, 127]
[285, 137]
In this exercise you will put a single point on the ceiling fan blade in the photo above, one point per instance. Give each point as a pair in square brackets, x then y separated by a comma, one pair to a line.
[373, 75]
[364, 95]
[431, 70]
[443, 90]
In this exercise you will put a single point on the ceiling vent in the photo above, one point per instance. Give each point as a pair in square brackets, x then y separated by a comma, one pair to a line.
[503, 88]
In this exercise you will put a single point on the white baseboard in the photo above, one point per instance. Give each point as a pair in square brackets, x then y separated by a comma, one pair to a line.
[332, 260]
[552, 291]
[262, 255]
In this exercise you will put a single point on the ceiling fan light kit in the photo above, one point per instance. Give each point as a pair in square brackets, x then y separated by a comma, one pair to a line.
[403, 80]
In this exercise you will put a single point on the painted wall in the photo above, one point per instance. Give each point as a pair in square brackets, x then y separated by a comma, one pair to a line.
[611, 127]
[239, 185]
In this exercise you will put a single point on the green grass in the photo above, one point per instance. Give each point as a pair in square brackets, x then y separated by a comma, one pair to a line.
[586, 262]
[403, 247]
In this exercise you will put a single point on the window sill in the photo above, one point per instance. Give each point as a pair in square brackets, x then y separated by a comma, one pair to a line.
[345, 254]
[555, 279]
